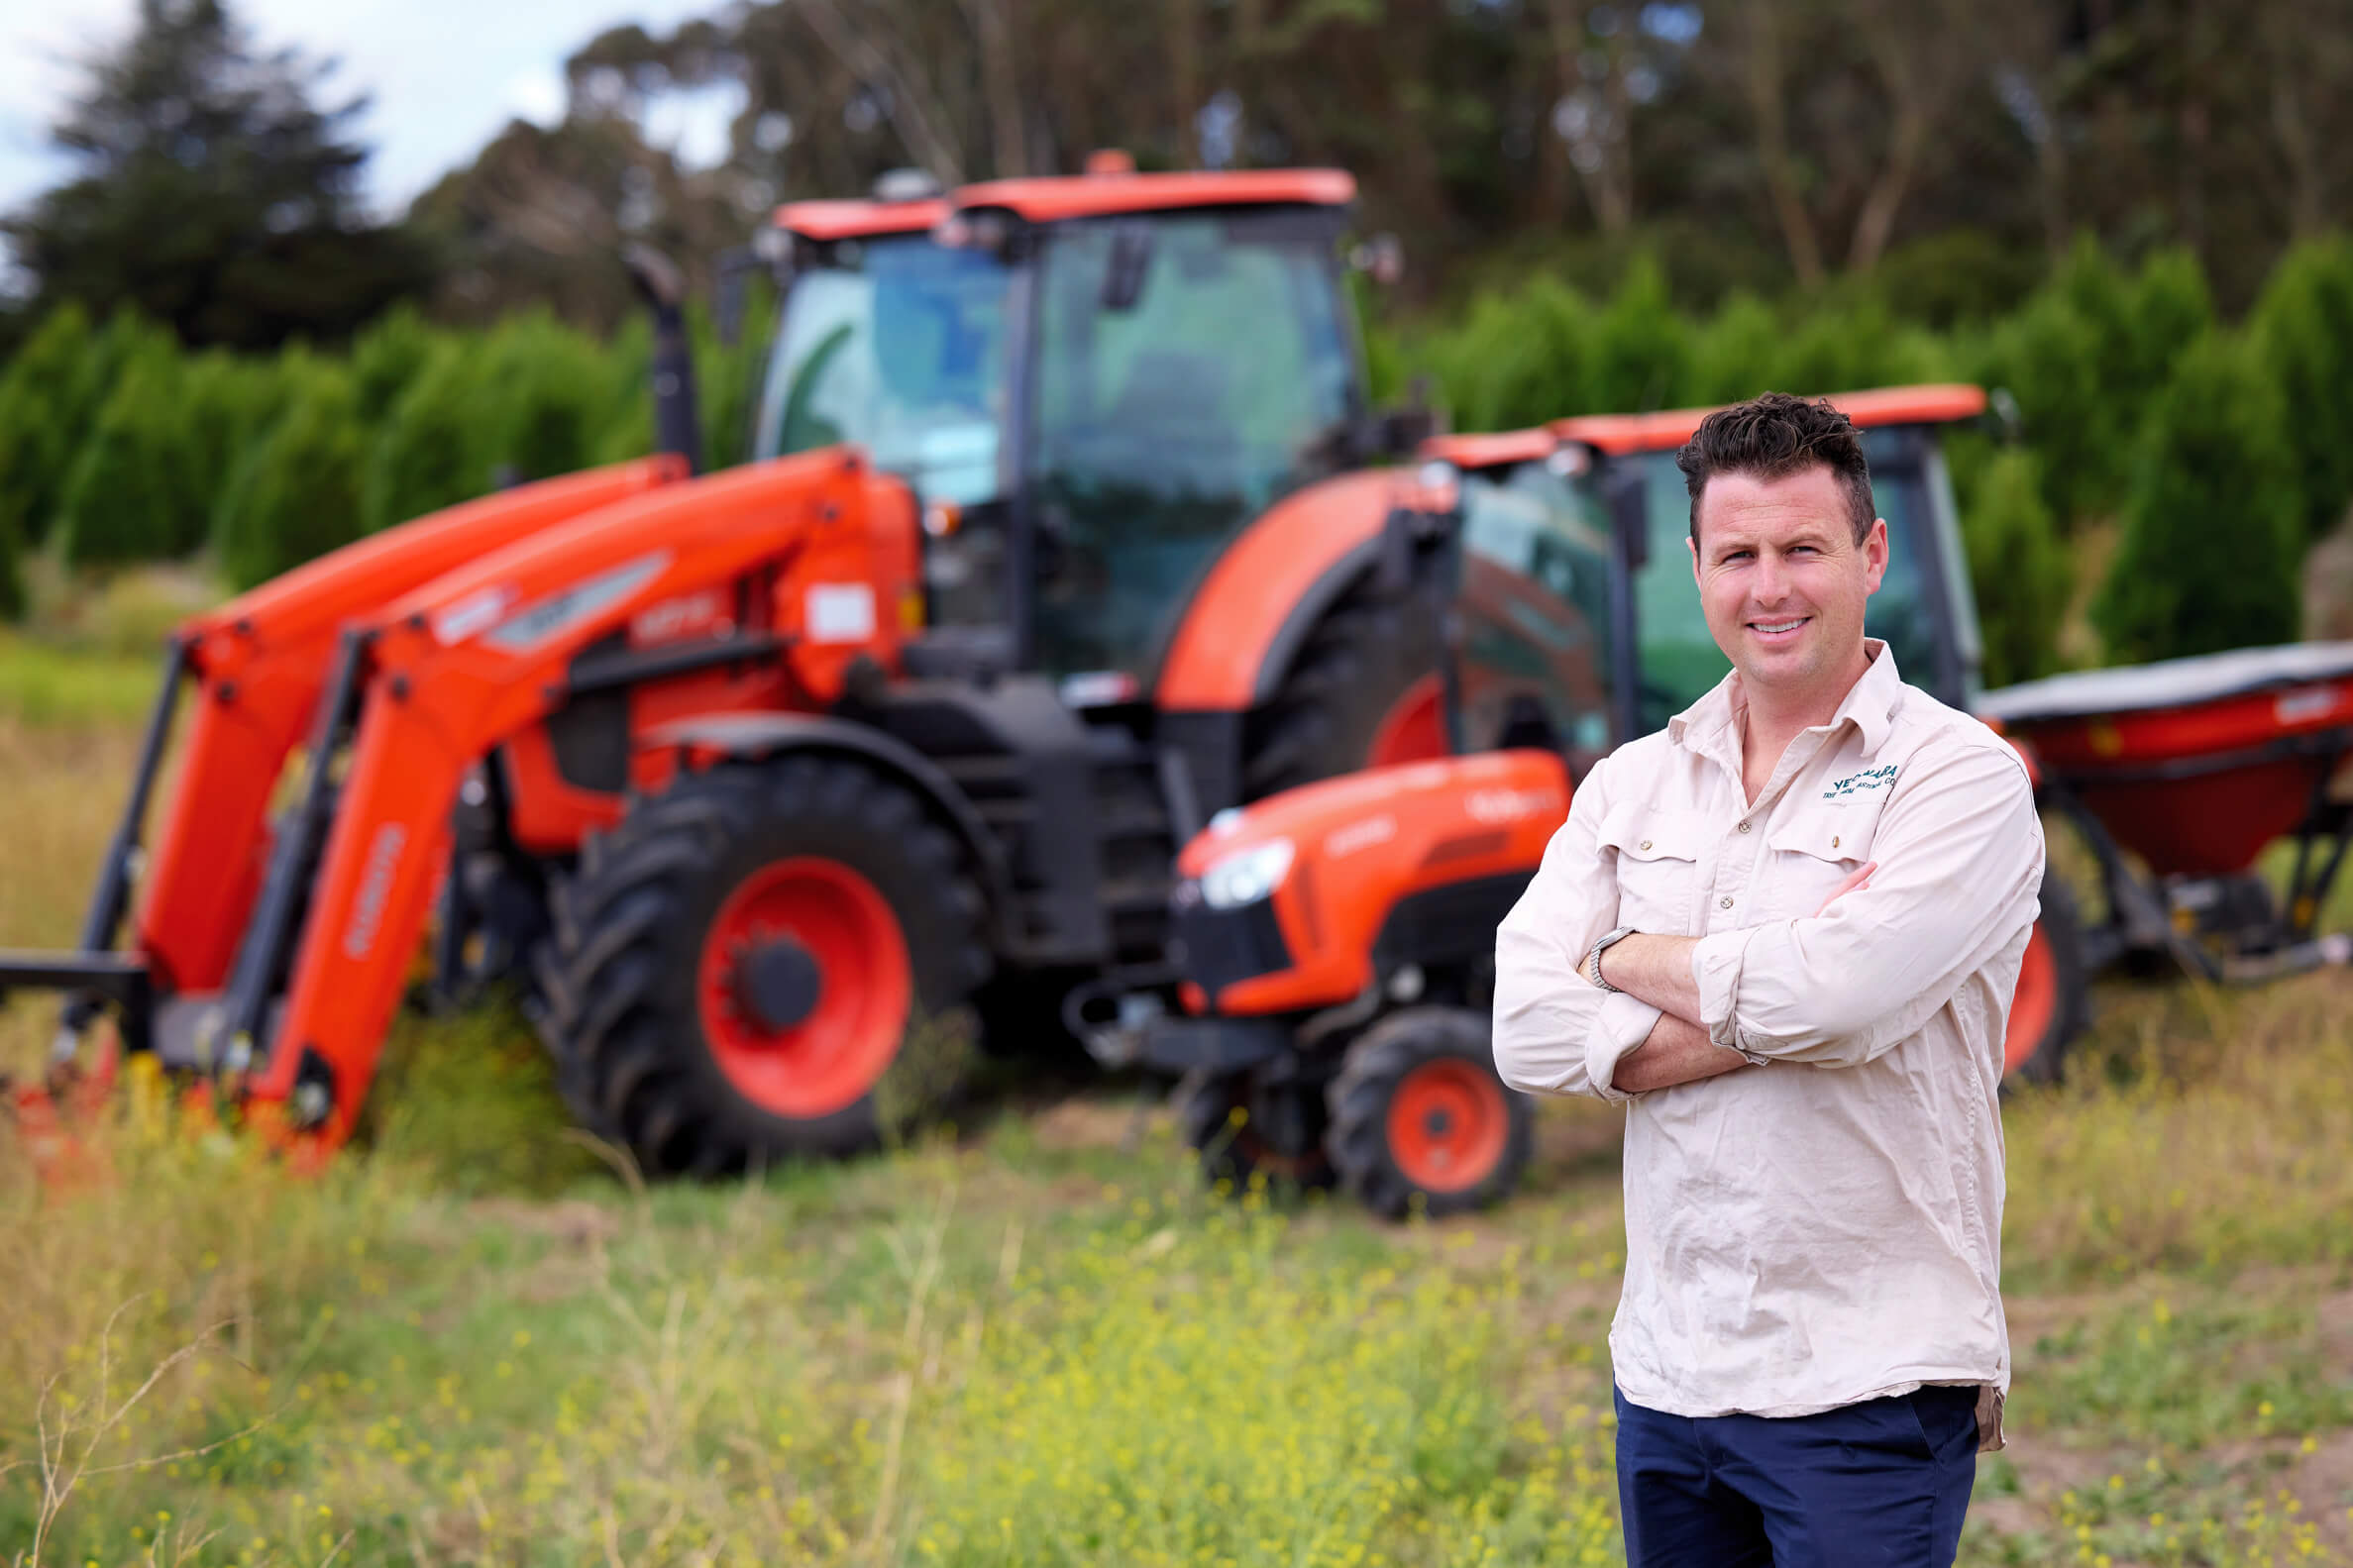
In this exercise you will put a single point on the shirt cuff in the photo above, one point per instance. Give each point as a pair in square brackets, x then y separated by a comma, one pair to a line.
[1717, 962]
[1623, 1023]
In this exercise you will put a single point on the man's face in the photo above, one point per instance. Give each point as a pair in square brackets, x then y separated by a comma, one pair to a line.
[1781, 579]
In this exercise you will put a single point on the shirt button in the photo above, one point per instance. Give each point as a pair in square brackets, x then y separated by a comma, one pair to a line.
[1833, 842]
[1646, 844]
[1744, 827]
[1723, 903]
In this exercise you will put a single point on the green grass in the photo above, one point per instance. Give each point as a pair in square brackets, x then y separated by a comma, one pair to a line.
[1035, 1340]
[43, 685]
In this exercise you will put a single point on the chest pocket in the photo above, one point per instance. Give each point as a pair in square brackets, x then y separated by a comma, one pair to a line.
[1658, 866]
[1810, 857]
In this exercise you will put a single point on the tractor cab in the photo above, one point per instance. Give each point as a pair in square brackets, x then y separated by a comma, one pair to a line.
[1092, 382]
[1580, 625]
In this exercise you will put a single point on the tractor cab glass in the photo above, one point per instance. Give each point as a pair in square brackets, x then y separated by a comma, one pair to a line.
[1192, 369]
[1536, 610]
[896, 344]
[1923, 609]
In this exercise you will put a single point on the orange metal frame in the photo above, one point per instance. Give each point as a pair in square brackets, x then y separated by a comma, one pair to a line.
[481, 655]
[259, 662]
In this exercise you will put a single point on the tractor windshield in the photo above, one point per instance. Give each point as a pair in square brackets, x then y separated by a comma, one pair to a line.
[896, 344]
[1191, 368]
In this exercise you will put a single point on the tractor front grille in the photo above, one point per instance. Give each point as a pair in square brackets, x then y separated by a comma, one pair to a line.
[1214, 948]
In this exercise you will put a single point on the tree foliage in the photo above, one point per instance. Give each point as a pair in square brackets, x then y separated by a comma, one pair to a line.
[212, 193]
[299, 495]
[134, 493]
[2305, 328]
[2212, 528]
[2018, 564]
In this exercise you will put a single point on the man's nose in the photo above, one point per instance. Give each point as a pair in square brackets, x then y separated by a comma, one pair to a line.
[1770, 583]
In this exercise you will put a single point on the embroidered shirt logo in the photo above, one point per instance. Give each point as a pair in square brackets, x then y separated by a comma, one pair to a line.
[1855, 784]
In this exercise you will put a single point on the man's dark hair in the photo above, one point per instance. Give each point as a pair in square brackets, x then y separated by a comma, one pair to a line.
[1772, 437]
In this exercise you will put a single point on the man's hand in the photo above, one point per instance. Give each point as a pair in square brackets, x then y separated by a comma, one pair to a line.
[1855, 883]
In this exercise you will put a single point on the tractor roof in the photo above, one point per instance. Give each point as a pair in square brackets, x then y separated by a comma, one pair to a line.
[1884, 405]
[1492, 449]
[1059, 198]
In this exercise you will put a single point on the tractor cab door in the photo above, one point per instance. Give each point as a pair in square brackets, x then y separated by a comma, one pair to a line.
[1189, 369]
[1539, 608]
[900, 345]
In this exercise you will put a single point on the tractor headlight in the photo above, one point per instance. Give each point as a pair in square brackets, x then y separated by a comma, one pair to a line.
[1246, 875]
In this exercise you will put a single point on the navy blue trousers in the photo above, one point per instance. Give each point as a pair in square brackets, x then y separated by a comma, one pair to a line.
[1883, 1483]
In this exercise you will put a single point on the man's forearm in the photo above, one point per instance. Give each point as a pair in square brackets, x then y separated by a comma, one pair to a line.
[1676, 1051]
[1656, 968]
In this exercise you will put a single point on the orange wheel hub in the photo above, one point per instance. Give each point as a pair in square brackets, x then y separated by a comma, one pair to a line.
[2033, 1006]
[1447, 1125]
[804, 986]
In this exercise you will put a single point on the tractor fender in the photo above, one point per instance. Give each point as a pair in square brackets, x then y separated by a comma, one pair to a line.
[1265, 592]
[756, 735]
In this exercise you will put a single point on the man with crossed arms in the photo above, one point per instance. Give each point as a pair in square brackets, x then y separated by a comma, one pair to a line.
[1785, 932]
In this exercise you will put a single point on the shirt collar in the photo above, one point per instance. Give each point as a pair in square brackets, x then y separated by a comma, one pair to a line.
[1712, 723]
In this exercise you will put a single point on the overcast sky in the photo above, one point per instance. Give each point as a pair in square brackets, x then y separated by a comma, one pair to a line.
[444, 75]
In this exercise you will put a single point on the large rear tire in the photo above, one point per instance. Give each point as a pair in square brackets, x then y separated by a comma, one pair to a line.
[1419, 1120]
[765, 961]
[2053, 1002]
[1361, 688]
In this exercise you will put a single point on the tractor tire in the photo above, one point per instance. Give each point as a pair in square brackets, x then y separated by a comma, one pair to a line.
[2053, 1002]
[738, 966]
[1419, 1121]
[1364, 689]
[1235, 1122]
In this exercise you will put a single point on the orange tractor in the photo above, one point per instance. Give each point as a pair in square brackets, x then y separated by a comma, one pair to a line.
[1339, 939]
[1058, 541]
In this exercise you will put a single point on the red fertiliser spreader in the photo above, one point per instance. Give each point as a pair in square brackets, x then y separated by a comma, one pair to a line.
[2179, 775]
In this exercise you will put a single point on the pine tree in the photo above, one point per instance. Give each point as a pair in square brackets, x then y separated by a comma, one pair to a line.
[2304, 327]
[299, 495]
[133, 492]
[46, 400]
[2017, 565]
[2212, 529]
[212, 194]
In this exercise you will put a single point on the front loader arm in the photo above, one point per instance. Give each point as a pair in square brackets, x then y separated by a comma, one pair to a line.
[261, 662]
[492, 649]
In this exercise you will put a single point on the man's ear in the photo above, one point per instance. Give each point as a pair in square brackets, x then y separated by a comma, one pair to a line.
[1692, 546]
[1875, 556]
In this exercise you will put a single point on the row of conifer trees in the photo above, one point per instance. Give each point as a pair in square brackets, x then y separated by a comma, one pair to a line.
[2225, 449]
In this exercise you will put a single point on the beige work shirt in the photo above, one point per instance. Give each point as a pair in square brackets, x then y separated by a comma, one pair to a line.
[1823, 1226]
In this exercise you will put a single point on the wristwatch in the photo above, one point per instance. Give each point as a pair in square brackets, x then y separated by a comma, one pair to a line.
[1592, 965]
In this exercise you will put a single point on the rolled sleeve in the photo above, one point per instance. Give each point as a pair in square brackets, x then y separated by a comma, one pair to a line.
[1716, 965]
[1556, 1032]
[1961, 864]
[1620, 1024]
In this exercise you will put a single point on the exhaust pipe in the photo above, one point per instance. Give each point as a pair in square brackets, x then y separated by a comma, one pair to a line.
[677, 426]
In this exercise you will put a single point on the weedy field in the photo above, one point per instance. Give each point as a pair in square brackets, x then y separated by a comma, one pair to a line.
[1032, 1338]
